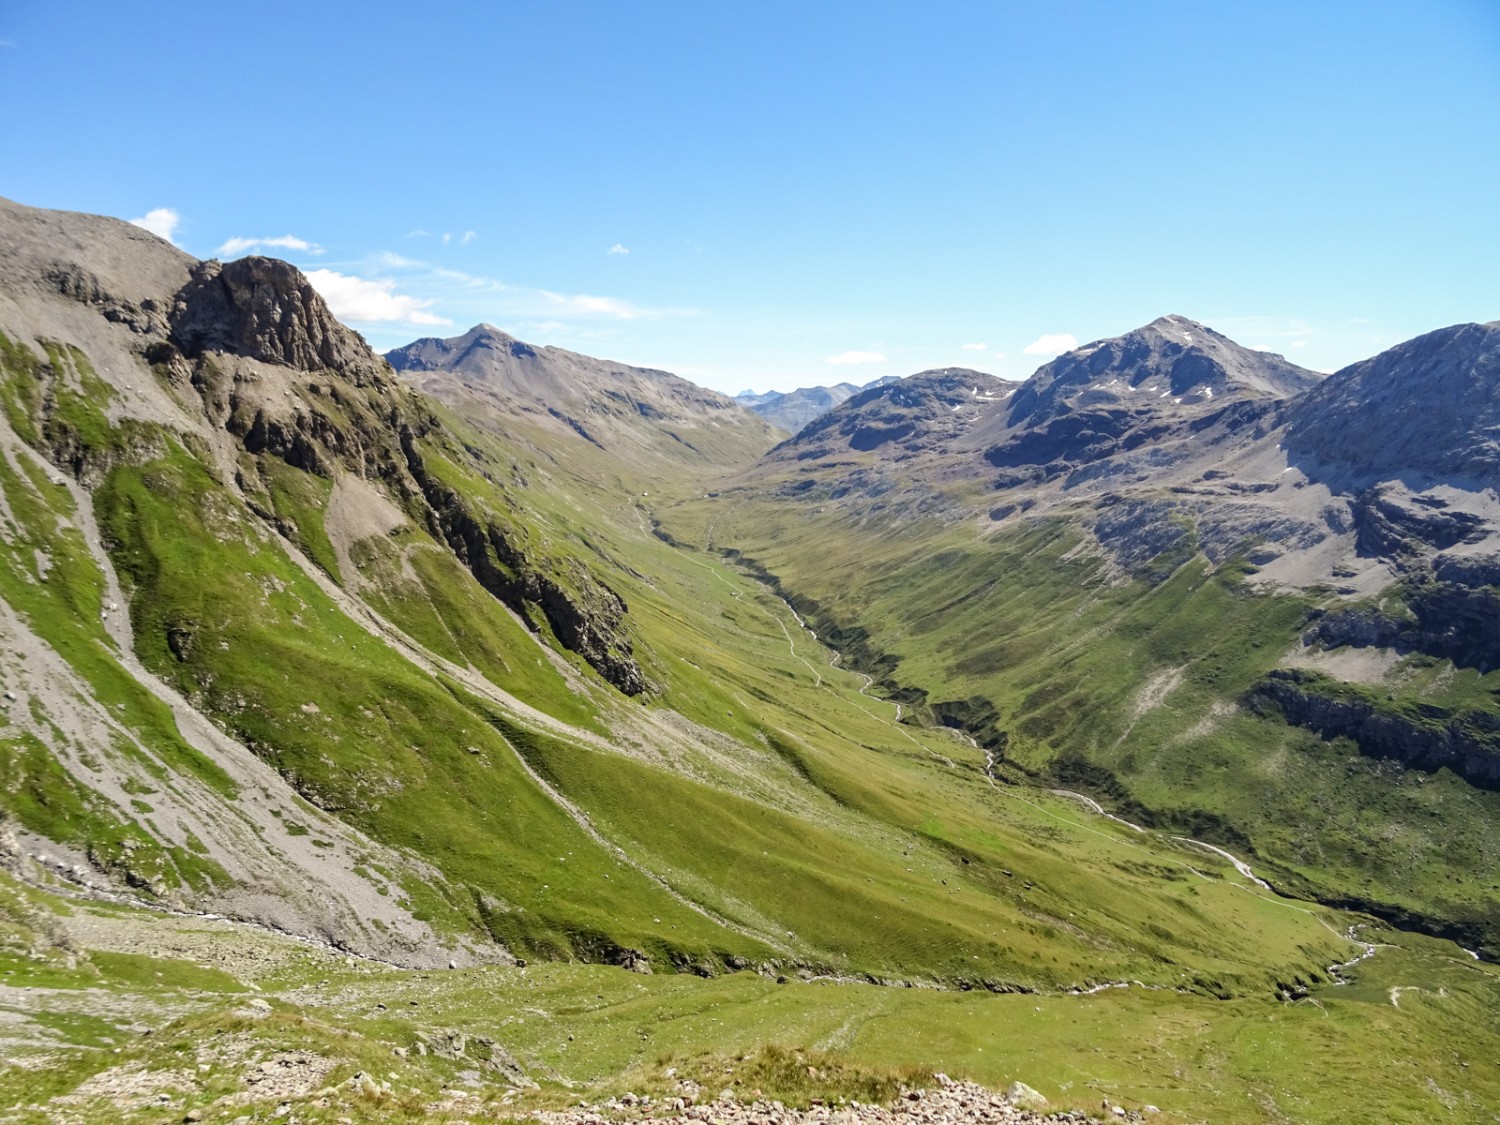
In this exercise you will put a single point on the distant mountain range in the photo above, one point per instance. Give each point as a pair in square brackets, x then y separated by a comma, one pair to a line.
[791, 410]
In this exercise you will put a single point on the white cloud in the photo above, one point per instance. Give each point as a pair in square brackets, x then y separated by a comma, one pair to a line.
[1050, 344]
[447, 238]
[1299, 343]
[371, 300]
[619, 249]
[235, 246]
[582, 303]
[845, 358]
[469, 236]
[974, 347]
[475, 297]
[162, 222]
[418, 233]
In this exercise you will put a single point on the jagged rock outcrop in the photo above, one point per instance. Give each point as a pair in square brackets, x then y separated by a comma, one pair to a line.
[1393, 523]
[584, 614]
[1420, 736]
[265, 309]
[1449, 620]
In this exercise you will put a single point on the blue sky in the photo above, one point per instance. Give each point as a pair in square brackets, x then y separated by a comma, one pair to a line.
[787, 194]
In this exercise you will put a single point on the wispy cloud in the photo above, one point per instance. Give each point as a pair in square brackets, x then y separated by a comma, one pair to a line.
[469, 236]
[371, 300]
[974, 347]
[233, 247]
[586, 305]
[844, 359]
[478, 297]
[1051, 344]
[617, 248]
[161, 221]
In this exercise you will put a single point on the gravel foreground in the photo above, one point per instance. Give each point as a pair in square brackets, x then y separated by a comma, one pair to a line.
[951, 1103]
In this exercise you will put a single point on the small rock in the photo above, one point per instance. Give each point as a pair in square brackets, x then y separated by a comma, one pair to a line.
[1024, 1096]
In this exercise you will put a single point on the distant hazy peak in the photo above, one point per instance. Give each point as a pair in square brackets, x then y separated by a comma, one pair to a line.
[792, 410]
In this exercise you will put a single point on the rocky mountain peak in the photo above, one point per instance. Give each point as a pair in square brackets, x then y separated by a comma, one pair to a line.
[651, 417]
[915, 412]
[265, 309]
[1173, 361]
[484, 351]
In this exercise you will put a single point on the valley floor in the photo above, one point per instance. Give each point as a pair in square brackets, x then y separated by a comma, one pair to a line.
[117, 1014]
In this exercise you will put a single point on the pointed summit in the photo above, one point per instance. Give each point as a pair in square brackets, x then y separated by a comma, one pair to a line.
[1171, 361]
[645, 415]
[470, 354]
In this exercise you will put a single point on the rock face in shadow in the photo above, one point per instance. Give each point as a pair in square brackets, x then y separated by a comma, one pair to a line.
[265, 309]
[1448, 620]
[1419, 736]
[583, 613]
[1430, 406]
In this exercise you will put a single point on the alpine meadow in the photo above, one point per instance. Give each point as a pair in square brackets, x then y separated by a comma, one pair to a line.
[402, 721]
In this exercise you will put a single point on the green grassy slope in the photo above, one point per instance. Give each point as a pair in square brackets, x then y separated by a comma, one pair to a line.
[759, 805]
[1135, 691]
[757, 782]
